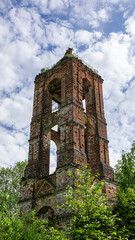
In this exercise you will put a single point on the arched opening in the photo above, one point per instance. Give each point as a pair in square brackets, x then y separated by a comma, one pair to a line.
[53, 157]
[46, 213]
[55, 106]
[53, 126]
[86, 86]
[54, 131]
[84, 104]
[54, 88]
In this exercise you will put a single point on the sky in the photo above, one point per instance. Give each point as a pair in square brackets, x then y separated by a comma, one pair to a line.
[35, 34]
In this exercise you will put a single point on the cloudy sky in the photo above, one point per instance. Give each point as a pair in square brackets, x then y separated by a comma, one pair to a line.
[35, 34]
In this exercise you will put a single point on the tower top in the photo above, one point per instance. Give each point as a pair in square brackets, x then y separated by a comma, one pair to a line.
[69, 51]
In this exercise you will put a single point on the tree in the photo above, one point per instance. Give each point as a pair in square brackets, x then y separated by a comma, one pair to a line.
[92, 218]
[125, 170]
[12, 227]
[124, 208]
[10, 184]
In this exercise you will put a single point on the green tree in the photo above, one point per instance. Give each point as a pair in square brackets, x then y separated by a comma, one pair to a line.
[12, 227]
[10, 184]
[92, 218]
[125, 170]
[124, 208]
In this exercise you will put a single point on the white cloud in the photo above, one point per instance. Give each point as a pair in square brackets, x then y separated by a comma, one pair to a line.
[48, 6]
[56, 33]
[87, 12]
[13, 147]
[103, 15]
[130, 25]
[56, 5]
[16, 112]
[119, 1]
[83, 37]
[76, 10]
[43, 5]
[5, 6]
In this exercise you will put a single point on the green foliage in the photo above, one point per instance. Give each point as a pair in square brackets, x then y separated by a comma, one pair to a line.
[124, 209]
[12, 227]
[35, 229]
[57, 63]
[10, 184]
[43, 70]
[92, 218]
[125, 170]
[71, 56]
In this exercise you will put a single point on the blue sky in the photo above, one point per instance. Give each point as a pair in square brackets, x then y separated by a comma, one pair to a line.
[36, 33]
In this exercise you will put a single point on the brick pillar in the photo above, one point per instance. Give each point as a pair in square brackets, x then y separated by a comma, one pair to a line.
[39, 143]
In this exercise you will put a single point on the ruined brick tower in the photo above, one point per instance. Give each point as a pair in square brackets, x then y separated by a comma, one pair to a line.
[81, 137]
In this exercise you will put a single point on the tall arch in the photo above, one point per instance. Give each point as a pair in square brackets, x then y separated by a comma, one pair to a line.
[85, 92]
[54, 131]
[46, 213]
[54, 88]
[53, 157]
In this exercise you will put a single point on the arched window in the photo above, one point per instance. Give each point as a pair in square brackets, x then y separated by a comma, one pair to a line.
[86, 86]
[46, 213]
[54, 88]
[53, 157]
[54, 146]
[84, 104]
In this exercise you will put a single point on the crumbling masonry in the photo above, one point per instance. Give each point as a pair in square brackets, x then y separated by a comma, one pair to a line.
[81, 137]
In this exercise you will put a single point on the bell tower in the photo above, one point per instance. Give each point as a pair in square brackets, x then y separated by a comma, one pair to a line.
[75, 90]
